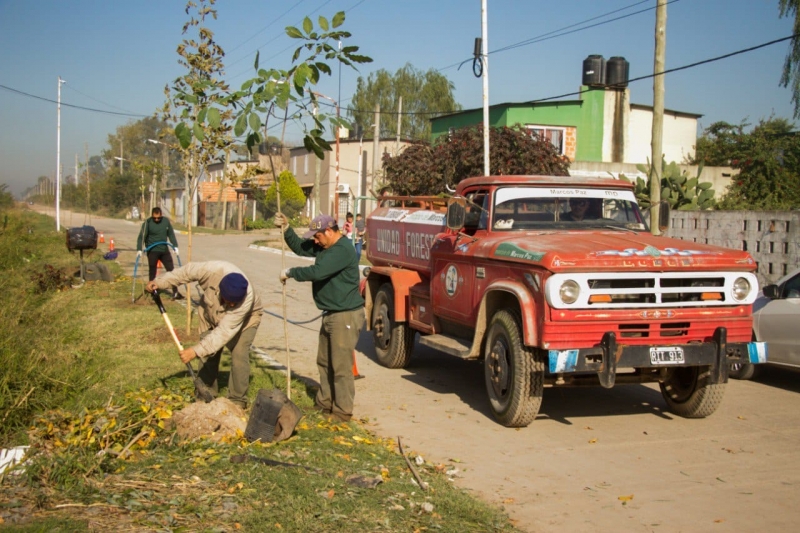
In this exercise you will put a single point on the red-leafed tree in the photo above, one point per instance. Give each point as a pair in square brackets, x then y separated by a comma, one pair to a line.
[425, 169]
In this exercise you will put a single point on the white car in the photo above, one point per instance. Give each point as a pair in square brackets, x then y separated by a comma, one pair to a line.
[776, 321]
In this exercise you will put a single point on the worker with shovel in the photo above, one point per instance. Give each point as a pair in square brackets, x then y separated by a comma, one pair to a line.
[334, 278]
[230, 312]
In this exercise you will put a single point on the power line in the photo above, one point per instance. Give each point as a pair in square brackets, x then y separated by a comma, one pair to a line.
[550, 35]
[83, 108]
[265, 27]
[676, 69]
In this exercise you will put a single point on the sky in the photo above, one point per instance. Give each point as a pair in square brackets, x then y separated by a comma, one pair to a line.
[117, 57]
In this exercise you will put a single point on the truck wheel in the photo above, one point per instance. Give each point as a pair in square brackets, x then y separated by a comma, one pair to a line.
[688, 393]
[394, 341]
[741, 371]
[514, 374]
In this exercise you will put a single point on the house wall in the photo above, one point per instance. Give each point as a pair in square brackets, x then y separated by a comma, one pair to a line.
[680, 136]
[605, 125]
[356, 179]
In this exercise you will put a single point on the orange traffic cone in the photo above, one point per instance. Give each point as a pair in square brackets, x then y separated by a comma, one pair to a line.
[158, 266]
[111, 245]
[356, 375]
[102, 239]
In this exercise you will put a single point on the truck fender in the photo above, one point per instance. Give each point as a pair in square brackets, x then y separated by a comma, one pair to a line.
[401, 279]
[491, 304]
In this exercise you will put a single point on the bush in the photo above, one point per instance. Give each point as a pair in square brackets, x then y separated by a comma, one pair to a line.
[292, 197]
[257, 224]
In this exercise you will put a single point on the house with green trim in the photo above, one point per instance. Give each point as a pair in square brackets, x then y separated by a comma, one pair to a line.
[600, 126]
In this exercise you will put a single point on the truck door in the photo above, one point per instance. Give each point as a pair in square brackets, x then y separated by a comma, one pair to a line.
[453, 281]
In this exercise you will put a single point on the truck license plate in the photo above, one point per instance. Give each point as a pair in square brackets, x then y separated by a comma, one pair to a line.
[671, 355]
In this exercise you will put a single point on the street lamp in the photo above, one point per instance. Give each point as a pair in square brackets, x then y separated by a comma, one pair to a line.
[336, 203]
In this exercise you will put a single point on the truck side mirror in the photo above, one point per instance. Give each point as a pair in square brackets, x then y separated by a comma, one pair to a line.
[456, 213]
[663, 215]
[771, 292]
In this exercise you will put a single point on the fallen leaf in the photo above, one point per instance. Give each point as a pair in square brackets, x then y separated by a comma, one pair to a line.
[589, 428]
[508, 500]
[592, 441]
[719, 520]
[625, 498]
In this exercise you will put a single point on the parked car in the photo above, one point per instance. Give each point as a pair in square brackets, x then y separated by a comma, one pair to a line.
[776, 321]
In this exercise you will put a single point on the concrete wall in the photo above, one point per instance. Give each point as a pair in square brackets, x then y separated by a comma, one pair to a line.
[771, 237]
[680, 136]
[720, 177]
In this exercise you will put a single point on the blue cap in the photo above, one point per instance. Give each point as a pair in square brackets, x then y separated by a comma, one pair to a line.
[320, 223]
[233, 287]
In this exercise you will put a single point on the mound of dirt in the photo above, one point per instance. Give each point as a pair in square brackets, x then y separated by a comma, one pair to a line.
[213, 420]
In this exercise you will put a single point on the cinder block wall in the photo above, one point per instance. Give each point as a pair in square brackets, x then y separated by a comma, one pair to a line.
[771, 237]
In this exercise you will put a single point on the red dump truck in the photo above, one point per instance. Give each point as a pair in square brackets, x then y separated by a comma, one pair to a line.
[557, 281]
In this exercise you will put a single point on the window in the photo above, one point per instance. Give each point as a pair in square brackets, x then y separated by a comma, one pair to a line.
[553, 134]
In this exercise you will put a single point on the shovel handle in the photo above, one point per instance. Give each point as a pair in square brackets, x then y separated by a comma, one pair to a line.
[160, 304]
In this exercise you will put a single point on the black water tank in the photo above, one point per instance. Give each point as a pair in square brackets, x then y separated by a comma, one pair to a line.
[617, 72]
[594, 71]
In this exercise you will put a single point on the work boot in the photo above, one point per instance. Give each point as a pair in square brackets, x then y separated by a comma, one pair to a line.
[177, 296]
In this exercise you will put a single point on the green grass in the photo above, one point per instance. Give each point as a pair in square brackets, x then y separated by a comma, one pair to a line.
[86, 373]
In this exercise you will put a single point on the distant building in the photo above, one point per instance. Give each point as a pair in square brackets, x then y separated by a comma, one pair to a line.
[356, 177]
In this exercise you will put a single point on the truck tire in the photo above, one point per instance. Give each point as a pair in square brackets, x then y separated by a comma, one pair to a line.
[394, 341]
[688, 393]
[514, 373]
[741, 371]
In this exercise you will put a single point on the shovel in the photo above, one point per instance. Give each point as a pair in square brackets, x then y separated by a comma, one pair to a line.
[205, 394]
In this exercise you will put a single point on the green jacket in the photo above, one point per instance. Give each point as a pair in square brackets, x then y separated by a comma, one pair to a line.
[334, 276]
[153, 232]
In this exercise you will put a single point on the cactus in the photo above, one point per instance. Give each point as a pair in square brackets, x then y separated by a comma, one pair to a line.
[683, 193]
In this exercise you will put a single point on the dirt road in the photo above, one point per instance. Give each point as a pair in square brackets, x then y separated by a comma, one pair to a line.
[594, 460]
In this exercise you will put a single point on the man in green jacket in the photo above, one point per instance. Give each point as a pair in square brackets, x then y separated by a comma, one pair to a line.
[155, 229]
[334, 278]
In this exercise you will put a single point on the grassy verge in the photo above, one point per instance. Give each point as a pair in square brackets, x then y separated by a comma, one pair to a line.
[90, 381]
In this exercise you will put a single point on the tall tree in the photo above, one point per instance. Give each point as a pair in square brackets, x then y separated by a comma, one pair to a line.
[198, 102]
[425, 95]
[791, 66]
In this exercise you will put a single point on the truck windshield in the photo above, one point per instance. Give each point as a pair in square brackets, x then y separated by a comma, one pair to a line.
[526, 208]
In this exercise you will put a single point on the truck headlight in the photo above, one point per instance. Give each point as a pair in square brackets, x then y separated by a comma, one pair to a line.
[741, 288]
[569, 292]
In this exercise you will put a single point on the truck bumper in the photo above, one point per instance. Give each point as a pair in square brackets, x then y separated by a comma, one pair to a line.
[605, 358]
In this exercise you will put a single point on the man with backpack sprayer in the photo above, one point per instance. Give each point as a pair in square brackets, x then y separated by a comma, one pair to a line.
[157, 229]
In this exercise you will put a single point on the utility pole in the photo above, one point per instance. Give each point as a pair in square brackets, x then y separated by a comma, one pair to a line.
[88, 181]
[657, 136]
[58, 159]
[485, 60]
[376, 145]
[317, 181]
[120, 156]
[399, 124]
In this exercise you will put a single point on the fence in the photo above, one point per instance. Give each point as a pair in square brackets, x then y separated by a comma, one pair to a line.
[771, 237]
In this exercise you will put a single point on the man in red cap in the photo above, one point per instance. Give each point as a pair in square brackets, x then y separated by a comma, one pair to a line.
[229, 311]
[334, 278]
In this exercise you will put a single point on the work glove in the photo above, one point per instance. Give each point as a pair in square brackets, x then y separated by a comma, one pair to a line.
[284, 275]
[177, 252]
[281, 221]
[139, 253]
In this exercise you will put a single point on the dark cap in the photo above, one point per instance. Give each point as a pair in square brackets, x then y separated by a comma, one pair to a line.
[233, 287]
[320, 223]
